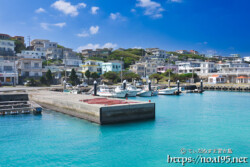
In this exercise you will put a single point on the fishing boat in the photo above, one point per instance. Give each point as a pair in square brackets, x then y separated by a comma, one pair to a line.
[106, 91]
[132, 91]
[167, 91]
[145, 92]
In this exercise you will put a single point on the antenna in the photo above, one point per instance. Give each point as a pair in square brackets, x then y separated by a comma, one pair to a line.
[28, 40]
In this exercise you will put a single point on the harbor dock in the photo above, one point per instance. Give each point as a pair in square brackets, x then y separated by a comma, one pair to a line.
[12, 104]
[93, 108]
[227, 87]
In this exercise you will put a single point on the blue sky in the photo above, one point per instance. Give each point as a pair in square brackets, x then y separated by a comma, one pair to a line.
[209, 26]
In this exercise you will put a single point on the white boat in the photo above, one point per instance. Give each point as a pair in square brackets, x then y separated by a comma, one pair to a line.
[120, 92]
[145, 92]
[167, 91]
[105, 91]
[132, 91]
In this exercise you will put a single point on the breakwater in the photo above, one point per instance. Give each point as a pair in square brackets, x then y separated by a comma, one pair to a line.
[243, 88]
[102, 113]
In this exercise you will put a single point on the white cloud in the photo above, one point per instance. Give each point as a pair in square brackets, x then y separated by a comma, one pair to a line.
[59, 25]
[109, 45]
[94, 9]
[133, 10]
[95, 46]
[67, 8]
[137, 47]
[178, 1]
[40, 10]
[94, 29]
[152, 8]
[83, 34]
[47, 26]
[117, 16]
[114, 16]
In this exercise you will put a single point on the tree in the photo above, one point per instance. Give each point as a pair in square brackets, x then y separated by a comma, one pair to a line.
[43, 81]
[156, 76]
[94, 75]
[88, 74]
[49, 77]
[113, 76]
[73, 77]
[19, 46]
[129, 76]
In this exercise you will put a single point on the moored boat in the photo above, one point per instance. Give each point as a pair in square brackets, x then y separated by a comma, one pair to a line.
[132, 91]
[167, 91]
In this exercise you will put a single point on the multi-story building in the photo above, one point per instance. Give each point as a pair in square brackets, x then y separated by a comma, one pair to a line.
[183, 52]
[8, 72]
[138, 68]
[102, 53]
[156, 53]
[42, 45]
[29, 67]
[8, 37]
[188, 67]
[144, 69]
[92, 66]
[87, 53]
[109, 66]
[7, 48]
[207, 67]
[32, 54]
[247, 59]
[162, 69]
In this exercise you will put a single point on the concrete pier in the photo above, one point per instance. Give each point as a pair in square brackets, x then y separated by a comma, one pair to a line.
[14, 103]
[74, 105]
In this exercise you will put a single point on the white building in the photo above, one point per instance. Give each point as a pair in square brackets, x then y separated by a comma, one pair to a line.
[144, 69]
[29, 67]
[215, 79]
[247, 59]
[207, 67]
[156, 53]
[30, 54]
[72, 62]
[109, 66]
[92, 66]
[188, 67]
[8, 72]
[42, 45]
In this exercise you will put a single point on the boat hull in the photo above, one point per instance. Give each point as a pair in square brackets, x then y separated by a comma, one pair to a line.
[145, 94]
[132, 93]
[167, 91]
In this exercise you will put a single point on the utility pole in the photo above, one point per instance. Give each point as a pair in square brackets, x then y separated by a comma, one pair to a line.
[65, 74]
[14, 84]
[29, 40]
[121, 69]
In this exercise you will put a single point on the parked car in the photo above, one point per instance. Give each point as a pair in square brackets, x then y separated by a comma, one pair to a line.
[84, 84]
[27, 83]
[68, 85]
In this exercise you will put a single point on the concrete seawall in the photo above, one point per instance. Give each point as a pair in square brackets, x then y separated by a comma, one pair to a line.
[99, 113]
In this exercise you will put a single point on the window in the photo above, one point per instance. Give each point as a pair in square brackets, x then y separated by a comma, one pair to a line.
[7, 68]
[36, 65]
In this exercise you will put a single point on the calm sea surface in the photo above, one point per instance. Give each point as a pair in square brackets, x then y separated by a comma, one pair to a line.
[213, 120]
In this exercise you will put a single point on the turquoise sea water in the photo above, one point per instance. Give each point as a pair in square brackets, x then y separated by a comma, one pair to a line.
[212, 120]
